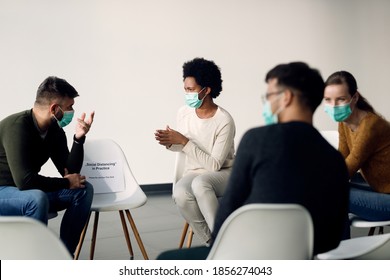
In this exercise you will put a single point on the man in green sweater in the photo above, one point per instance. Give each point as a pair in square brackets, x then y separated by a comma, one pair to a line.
[27, 140]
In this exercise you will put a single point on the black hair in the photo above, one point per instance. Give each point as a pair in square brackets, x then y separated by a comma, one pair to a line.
[206, 74]
[53, 88]
[306, 82]
[346, 78]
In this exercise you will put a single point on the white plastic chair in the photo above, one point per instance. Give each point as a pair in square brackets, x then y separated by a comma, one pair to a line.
[332, 136]
[23, 238]
[375, 247]
[106, 168]
[178, 173]
[372, 225]
[265, 232]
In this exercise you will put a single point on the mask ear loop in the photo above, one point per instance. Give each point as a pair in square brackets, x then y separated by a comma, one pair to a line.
[204, 94]
[279, 110]
[355, 95]
[54, 115]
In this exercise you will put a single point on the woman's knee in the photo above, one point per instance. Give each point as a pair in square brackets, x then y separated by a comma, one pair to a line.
[200, 185]
[179, 196]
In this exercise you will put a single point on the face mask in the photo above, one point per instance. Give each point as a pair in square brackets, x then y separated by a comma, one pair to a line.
[269, 117]
[66, 118]
[192, 99]
[338, 113]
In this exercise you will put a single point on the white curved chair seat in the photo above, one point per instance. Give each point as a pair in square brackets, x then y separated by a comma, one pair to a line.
[265, 232]
[106, 168]
[112, 202]
[375, 247]
[23, 238]
[358, 222]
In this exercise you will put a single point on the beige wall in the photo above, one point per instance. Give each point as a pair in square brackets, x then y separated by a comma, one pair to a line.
[125, 58]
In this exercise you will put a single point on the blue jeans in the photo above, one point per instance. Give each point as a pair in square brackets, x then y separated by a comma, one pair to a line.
[31, 203]
[367, 203]
[37, 204]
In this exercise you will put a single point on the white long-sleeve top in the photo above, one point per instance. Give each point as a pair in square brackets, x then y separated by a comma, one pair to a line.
[211, 141]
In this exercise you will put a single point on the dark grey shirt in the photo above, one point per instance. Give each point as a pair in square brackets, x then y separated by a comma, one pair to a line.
[291, 163]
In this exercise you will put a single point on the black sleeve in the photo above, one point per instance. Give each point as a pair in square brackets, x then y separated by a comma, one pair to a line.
[76, 156]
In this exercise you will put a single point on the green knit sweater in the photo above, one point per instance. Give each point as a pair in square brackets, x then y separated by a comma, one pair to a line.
[23, 152]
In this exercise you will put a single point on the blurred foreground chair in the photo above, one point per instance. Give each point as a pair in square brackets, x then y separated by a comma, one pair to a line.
[265, 232]
[24, 238]
[375, 247]
[106, 168]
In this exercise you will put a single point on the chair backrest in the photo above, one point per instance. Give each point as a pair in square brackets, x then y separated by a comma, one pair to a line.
[265, 232]
[332, 136]
[23, 238]
[107, 169]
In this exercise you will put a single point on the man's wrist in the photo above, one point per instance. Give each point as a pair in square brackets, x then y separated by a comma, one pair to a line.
[79, 140]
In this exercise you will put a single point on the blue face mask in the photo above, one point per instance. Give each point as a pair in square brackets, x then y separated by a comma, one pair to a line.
[66, 118]
[338, 113]
[269, 117]
[192, 99]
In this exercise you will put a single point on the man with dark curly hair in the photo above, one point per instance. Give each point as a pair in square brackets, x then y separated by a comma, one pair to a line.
[205, 134]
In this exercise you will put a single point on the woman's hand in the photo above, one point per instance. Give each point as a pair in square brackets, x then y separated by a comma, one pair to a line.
[169, 136]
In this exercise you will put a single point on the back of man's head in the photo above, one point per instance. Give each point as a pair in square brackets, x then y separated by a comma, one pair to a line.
[54, 88]
[304, 81]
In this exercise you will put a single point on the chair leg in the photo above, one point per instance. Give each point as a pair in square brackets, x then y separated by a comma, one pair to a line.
[93, 240]
[126, 232]
[136, 234]
[371, 231]
[183, 235]
[190, 235]
[82, 236]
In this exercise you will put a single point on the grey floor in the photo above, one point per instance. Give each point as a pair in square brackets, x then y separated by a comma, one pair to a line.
[158, 223]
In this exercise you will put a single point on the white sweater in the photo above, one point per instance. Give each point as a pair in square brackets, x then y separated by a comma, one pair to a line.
[211, 141]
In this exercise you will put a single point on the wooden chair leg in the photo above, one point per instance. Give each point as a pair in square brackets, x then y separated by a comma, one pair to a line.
[136, 234]
[190, 235]
[93, 240]
[126, 232]
[81, 241]
[183, 235]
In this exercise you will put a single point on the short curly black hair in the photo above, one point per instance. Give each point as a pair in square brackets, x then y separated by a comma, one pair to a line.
[206, 74]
